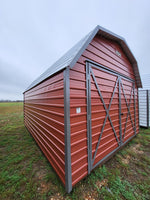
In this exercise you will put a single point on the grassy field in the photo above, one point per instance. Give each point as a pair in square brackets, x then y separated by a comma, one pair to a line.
[26, 174]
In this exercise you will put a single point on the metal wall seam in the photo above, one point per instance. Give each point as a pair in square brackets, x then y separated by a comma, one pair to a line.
[68, 171]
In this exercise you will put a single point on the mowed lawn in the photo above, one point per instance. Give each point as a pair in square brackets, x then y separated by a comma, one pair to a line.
[25, 173]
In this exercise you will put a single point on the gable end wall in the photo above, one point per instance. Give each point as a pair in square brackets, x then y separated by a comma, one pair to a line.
[103, 52]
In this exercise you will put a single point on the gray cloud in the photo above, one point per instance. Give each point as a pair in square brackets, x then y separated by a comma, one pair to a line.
[34, 34]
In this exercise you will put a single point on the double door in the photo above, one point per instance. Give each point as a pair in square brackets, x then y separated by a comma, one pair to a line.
[111, 116]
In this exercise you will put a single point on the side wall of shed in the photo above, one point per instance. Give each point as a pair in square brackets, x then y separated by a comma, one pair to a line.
[143, 107]
[44, 118]
[107, 53]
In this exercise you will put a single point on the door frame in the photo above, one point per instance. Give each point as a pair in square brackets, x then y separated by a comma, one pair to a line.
[89, 65]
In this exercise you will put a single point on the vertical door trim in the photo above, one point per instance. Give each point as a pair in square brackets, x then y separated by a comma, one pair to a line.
[89, 134]
[120, 124]
[68, 171]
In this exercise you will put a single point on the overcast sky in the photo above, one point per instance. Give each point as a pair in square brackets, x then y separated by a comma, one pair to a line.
[35, 33]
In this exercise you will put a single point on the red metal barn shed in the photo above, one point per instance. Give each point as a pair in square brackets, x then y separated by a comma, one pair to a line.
[85, 106]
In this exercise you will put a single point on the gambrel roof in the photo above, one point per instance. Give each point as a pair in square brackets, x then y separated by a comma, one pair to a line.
[71, 57]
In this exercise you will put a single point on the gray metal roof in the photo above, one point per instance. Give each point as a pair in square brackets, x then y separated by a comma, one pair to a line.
[72, 56]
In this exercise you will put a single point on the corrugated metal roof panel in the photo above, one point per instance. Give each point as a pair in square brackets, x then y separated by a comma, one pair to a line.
[71, 57]
[62, 63]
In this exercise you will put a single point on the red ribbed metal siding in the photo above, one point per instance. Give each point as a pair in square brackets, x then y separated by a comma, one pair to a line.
[44, 118]
[110, 136]
[106, 83]
[103, 52]
[78, 122]
[44, 110]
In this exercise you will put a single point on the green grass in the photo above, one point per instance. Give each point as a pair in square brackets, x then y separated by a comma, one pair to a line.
[25, 173]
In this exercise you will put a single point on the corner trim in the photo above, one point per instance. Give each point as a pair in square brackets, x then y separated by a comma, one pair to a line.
[88, 99]
[68, 174]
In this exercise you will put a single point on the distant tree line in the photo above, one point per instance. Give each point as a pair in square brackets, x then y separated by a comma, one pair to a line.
[6, 100]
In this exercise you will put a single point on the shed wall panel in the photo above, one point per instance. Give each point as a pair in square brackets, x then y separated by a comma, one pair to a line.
[44, 118]
[111, 59]
[103, 52]
[78, 122]
[137, 109]
[106, 94]
[143, 107]
[106, 55]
